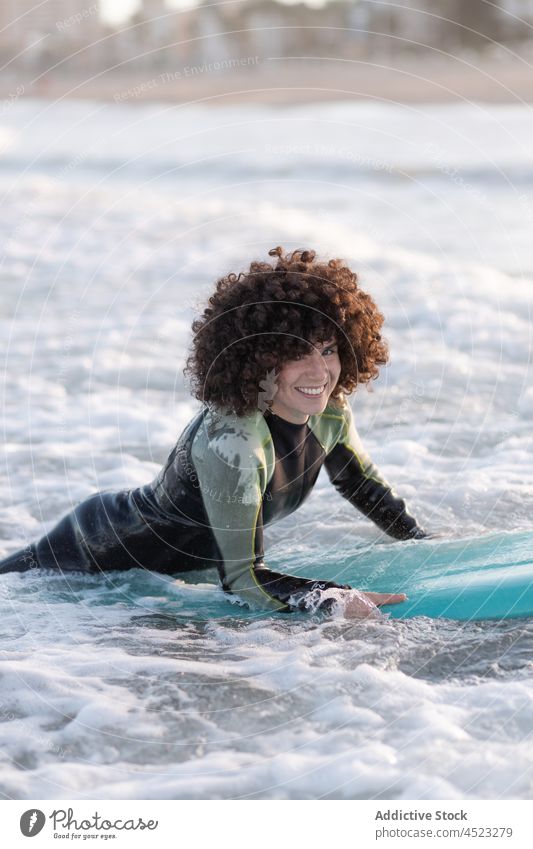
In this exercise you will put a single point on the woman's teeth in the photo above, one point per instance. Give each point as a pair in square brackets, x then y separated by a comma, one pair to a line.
[311, 390]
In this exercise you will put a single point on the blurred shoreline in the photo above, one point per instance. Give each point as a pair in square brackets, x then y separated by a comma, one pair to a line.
[291, 81]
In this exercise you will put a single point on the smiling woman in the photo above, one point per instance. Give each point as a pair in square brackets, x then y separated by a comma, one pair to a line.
[274, 354]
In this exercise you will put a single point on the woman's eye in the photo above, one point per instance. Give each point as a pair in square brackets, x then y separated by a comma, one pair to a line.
[331, 350]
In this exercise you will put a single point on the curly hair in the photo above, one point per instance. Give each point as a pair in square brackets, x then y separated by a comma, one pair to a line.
[259, 319]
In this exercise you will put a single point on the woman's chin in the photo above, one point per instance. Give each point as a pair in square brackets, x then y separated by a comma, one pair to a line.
[313, 406]
[296, 405]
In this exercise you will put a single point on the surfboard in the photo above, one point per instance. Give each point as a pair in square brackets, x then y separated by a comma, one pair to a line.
[478, 578]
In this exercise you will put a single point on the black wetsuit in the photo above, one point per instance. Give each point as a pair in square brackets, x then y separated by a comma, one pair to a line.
[224, 480]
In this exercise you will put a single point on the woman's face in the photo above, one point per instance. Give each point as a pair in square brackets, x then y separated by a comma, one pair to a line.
[304, 385]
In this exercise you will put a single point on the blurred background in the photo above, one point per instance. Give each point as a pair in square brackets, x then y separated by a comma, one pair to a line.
[266, 50]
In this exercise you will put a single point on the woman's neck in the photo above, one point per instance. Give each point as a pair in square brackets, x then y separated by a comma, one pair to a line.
[300, 423]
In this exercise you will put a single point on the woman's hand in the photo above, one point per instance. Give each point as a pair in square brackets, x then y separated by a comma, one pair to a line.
[359, 605]
[385, 598]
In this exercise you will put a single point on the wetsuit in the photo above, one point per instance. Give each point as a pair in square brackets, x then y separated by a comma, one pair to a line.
[225, 479]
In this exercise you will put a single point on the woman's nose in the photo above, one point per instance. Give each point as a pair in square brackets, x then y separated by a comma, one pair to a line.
[317, 367]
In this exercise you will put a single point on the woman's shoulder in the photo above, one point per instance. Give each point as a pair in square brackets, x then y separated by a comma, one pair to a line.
[330, 425]
[338, 407]
[227, 435]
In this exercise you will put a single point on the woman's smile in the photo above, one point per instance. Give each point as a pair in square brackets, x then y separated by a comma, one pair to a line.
[312, 390]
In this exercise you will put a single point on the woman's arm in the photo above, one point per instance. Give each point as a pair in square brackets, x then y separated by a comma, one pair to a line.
[232, 476]
[357, 479]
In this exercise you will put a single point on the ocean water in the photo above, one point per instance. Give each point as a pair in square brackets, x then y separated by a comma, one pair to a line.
[115, 221]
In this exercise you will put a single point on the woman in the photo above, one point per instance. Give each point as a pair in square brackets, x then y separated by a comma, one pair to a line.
[274, 354]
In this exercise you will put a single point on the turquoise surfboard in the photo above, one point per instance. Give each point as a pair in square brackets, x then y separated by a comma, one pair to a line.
[471, 579]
